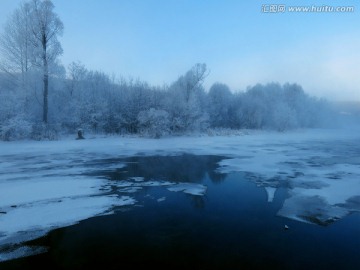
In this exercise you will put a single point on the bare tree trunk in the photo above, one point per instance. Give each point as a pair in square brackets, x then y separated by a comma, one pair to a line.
[46, 93]
[46, 81]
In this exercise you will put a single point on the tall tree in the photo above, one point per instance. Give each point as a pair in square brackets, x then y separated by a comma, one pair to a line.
[30, 39]
[186, 99]
[15, 44]
[219, 101]
[45, 28]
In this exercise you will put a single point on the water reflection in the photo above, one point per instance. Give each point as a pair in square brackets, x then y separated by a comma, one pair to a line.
[140, 175]
[181, 168]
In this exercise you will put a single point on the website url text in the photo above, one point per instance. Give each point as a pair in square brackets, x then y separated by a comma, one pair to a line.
[278, 8]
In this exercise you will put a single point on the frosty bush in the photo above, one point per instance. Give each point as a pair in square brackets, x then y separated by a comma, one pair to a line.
[225, 132]
[42, 131]
[154, 123]
[15, 128]
[283, 118]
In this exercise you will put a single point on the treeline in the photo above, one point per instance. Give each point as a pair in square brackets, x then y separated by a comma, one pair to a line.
[95, 102]
[39, 98]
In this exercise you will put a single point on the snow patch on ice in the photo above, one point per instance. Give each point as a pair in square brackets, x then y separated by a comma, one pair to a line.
[311, 209]
[20, 252]
[43, 216]
[20, 192]
[133, 185]
[270, 191]
[190, 188]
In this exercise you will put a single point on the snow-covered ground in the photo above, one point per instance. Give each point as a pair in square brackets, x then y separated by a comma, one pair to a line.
[43, 184]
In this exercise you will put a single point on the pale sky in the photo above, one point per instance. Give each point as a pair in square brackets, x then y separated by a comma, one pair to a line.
[159, 40]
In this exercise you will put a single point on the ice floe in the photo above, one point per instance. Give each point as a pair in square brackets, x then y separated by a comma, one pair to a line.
[190, 188]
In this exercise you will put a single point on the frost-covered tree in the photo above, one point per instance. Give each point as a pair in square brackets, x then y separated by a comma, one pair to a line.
[136, 97]
[154, 123]
[76, 75]
[29, 42]
[187, 100]
[15, 63]
[15, 43]
[45, 27]
[252, 108]
[279, 107]
[219, 104]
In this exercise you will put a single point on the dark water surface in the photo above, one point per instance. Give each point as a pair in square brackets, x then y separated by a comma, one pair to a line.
[231, 227]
